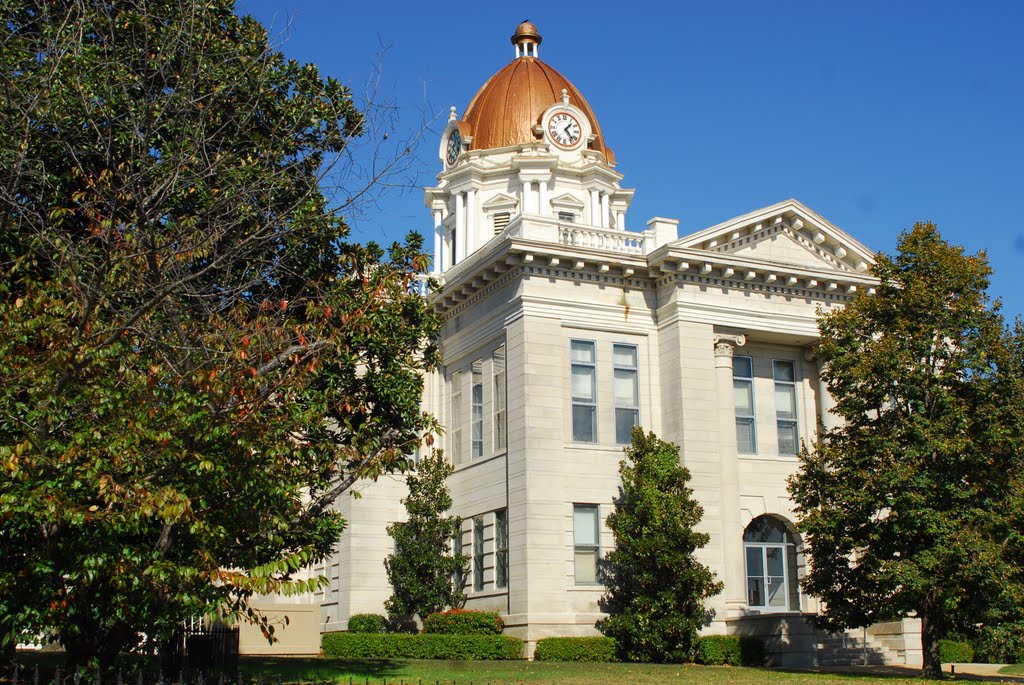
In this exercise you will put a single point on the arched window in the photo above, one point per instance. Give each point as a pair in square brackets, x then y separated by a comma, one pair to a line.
[771, 561]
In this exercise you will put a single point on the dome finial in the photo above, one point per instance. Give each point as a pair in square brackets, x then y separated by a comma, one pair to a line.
[525, 38]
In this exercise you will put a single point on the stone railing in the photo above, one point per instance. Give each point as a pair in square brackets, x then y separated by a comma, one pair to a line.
[626, 242]
[550, 230]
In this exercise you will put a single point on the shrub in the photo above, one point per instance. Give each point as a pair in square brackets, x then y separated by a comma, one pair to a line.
[716, 650]
[1000, 644]
[424, 646]
[955, 652]
[731, 650]
[464, 622]
[575, 649]
[367, 623]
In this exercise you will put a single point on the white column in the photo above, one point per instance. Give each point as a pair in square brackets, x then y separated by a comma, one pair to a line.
[542, 192]
[470, 221]
[595, 208]
[460, 227]
[825, 403]
[620, 221]
[729, 491]
[606, 212]
[438, 243]
[527, 197]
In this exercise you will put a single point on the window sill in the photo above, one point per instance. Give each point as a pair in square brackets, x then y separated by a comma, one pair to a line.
[483, 594]
[591, 446]
[770, 457]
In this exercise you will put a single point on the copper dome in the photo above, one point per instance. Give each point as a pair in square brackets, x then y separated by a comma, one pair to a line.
[507, 107]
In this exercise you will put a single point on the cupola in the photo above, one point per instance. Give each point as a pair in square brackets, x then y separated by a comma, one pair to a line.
[507, 110]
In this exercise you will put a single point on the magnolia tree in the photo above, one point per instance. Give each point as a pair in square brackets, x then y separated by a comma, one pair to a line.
[424, 568]
[194, 362]
[656, 586]
[913, 506]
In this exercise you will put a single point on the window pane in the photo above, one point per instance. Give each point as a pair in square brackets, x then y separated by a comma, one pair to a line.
[584, 423]
[745, 443]
[784, 371]
[624, 355]
[581, 351]
[584, 525]
[586, 565]
[625, 390]
[583, 381]
[755, 592]
[785, 400]
[625, 419]
[765, 529]
[743, 393]
[788, 439]
[742, 367]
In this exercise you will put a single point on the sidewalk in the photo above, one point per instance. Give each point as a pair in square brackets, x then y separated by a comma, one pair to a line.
[973, 672]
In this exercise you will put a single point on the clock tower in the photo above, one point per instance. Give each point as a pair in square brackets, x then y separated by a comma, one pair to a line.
[528, 144]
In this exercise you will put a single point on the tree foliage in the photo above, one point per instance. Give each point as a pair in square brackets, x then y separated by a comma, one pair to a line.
[194, 363]
[656, 586]
[913, 506]
[423, 566]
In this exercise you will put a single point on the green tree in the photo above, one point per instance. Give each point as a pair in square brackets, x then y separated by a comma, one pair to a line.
[422, 569]
[194, 363]
[655, 586]
[913, 506]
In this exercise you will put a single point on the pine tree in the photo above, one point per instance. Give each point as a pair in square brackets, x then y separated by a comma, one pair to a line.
[423, 568]
[912, 507]
[656, 586]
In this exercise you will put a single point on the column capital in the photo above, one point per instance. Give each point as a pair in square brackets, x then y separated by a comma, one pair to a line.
[811, 354]
[726, 344]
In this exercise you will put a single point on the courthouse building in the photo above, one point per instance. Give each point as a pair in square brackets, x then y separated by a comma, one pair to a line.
[567, 321]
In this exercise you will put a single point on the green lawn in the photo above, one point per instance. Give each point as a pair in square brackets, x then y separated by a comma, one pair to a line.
[269, 670]
[540, 673]
[1012, 669]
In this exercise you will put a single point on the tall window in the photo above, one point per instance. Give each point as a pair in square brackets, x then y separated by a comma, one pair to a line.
[784, 373]
[626, 392]
[501, 548]
[586, 548]
[455, 420]
[477, 390]
[459, 579]
[743, 392]
[500, 423]
[771, 563]
[478, 553]
[584, 390]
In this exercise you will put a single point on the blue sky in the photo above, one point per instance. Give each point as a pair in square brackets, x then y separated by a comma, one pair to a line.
[874, 114]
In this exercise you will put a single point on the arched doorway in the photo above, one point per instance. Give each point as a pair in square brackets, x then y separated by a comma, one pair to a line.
[770, 553]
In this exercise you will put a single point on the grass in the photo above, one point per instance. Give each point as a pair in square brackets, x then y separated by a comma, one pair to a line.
[1012, 669]
[268, 671]
[537, 673]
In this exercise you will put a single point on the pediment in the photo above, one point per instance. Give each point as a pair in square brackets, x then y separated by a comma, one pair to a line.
[499, 202]
[785, 233]
[567, 201]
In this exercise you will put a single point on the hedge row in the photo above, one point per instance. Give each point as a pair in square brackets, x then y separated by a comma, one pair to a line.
[712, 650]
[575, 649]
[464, 622]
[424, 646]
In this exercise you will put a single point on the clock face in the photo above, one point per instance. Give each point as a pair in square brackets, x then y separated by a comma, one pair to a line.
[454, 146]
[564, 129]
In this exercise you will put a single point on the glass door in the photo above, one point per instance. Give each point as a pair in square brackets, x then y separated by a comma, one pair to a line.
[766, 577]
